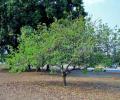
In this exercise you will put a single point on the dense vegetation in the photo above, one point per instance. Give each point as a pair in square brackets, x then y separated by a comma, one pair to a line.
[54, 33]
[75, 42]
[86, 42]
[72, 42]
[14, 14]
[17, 13]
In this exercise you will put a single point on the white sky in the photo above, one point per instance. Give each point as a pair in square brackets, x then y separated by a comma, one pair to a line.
[91, 2]
[107, 10]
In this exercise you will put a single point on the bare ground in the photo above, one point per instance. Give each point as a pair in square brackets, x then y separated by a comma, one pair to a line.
[40, 86]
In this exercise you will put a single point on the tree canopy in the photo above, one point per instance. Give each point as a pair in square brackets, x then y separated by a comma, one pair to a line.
[64, 42]
[17, 13]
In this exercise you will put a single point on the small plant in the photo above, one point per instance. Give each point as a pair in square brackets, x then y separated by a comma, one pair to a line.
[99, 68]
[84, 71]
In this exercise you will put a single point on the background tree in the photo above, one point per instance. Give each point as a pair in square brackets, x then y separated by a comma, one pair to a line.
[102, 50]
[17, 13]
[115, 45]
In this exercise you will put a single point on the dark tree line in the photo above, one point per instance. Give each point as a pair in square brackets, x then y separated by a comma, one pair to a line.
[17, 13]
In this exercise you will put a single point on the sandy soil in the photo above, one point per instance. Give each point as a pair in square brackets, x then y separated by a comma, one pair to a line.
[40, 86]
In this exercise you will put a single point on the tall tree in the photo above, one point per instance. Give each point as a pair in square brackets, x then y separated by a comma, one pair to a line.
[17, 13]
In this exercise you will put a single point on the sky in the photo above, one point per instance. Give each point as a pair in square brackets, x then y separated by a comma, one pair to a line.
[106, 10]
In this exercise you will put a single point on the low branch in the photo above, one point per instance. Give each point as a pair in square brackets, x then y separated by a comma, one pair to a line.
[70, 70]
[68, 65]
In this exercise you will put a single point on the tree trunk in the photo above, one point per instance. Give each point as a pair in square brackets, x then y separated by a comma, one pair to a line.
[38, 69]
[48, 68]
[29, 67]
[64, 79]
[74, 67]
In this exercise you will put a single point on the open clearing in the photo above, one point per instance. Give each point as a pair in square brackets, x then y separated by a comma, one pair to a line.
[40, 86]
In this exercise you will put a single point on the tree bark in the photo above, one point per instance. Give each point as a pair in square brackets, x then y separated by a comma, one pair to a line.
[64, 79]
[48, 68]
[29, 67]
[38, 69]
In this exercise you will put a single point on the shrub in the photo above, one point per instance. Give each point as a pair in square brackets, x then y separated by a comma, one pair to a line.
[99, 68]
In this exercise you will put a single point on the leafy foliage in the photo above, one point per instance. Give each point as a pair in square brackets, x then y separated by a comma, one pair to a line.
[74, 42]
[63, 42]
[15, 14]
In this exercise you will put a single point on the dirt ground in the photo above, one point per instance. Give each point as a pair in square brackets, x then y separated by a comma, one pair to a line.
[40, 86]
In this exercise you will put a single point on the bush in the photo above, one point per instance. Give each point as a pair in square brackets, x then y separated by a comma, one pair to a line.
[99, 68]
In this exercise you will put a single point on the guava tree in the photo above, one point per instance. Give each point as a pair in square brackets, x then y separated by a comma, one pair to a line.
[65, 42]
[70, 43]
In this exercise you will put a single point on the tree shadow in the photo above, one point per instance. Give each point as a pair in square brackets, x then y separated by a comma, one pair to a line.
[84, 85]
